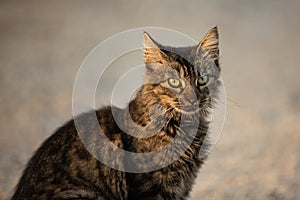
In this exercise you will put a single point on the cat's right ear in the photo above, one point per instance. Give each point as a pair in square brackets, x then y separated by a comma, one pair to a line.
[152, 53]
[210, 44]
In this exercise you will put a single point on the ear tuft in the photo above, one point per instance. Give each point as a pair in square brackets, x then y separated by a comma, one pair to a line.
[152, 52]
[210, 43]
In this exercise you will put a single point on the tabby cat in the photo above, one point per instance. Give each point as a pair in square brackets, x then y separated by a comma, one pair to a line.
[184, 82]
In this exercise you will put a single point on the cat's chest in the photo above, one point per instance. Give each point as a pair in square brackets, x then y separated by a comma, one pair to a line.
[154, 143]
[172, 182]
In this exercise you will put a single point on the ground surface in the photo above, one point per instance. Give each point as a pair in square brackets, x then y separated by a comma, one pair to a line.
[257, 156]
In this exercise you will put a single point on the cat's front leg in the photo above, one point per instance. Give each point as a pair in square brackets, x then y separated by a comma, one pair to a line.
[155, 197]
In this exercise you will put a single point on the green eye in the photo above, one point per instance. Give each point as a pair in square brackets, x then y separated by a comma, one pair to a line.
[201, 81]
[175, 83]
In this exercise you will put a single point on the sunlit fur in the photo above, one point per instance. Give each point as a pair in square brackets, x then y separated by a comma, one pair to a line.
[188, 105]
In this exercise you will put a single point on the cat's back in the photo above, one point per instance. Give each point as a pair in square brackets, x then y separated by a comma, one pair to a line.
[63, 168]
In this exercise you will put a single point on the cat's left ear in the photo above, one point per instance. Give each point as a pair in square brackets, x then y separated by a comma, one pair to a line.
[152, 52]
[210, 44]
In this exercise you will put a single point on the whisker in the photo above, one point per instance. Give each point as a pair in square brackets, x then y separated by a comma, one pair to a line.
[155, 117]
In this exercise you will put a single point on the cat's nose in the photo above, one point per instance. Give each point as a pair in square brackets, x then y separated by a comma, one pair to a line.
[192, 101]
[190, 97]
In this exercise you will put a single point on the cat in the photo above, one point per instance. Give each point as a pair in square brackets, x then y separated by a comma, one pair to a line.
[184, 82]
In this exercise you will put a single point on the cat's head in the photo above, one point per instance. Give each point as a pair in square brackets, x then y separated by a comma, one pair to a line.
[183, 79]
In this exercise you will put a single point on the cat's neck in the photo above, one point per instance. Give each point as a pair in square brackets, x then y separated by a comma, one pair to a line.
[140, 108]
[139, 112]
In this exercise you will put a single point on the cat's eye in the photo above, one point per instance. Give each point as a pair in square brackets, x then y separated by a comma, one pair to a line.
[175, 83]
[201, 81]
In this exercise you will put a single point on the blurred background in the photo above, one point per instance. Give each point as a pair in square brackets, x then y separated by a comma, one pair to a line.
[43, 43]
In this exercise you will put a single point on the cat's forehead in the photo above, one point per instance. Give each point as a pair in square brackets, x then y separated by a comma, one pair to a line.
[180, 55]
[187, 62]
[187, 53]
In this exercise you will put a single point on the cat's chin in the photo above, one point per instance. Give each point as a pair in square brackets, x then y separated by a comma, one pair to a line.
[190, 111]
